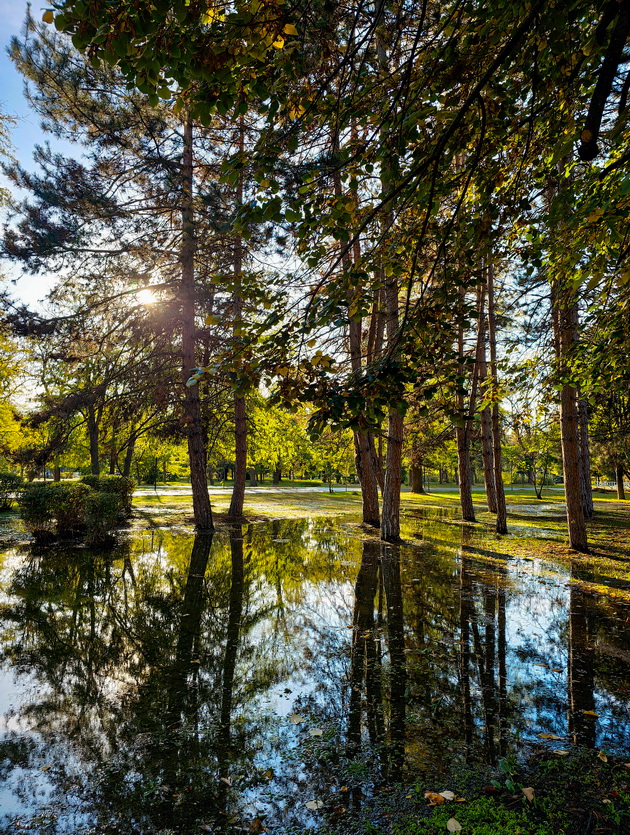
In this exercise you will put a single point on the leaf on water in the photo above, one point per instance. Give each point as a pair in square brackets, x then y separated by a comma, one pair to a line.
[314, 805]
[602, 756]
[45, 767]
[433, 798]
[296, 719]
[561, 752]
[549, 736]
[448, 795]
[529, 793]
[226, 780]
[316, 732]
[257, 826]
[453, 825]
[590, 713]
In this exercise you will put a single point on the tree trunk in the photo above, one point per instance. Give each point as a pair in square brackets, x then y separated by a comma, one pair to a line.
[277, 474]
[463, 447]
[131, 443]
[235, 513]
[56, 473]
[621, 493]
[416, 475]
[585, 461]
[564, 314]
[485, 420]
[499, 491]
[93, 433]
[364, 459]
[192, 405]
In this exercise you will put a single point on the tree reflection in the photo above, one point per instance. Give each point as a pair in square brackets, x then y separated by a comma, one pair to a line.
[581, 666]
[379, 562]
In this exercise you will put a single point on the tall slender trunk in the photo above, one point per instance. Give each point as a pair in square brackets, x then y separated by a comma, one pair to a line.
[131, 443]
[192, 404]
[92, 423]
[499, 490]
[390, 523]
[485, 420]
[585, 460]
[564, 315]
[235, 513]
[462, 434]
[363, 439]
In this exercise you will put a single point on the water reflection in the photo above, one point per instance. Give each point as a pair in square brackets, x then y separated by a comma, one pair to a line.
[188, 681]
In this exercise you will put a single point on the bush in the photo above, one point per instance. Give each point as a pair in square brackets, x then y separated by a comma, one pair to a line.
[69, 509]
[10, 483]
[102, 515]
[117, 485]
[54, 508]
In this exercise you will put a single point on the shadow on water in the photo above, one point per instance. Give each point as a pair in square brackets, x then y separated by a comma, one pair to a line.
[179, 682]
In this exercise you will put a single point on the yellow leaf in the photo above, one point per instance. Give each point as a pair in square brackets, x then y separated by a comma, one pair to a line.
[279, 42]
[549, 736]
[290, 29]
[561, 752]
[48, 16]
[601, 756]
[433, 798]
[590, 713]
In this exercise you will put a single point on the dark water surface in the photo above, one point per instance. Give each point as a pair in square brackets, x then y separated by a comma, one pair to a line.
[177, 684]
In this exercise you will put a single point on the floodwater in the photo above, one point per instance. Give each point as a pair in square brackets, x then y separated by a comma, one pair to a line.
[278, 672]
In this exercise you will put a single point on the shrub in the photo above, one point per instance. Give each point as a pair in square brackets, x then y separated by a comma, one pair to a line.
[117, 485]
[102, 515]
[56, 507]
[10, 484]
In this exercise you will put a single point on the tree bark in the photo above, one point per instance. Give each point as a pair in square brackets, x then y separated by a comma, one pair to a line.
[131, 443]
[499, 491]
[585, 461]
[364, 458]
[485, 420]
[463, 447]
[564, 314]
[416, 475]
[193, 423]
[621, 492]
[235, 513]
[93, 437]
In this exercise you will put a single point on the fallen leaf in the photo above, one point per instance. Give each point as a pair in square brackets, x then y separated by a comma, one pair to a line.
[268, 775]
[314, 805]
[226, 780]
[460, 800]
[296, 719]
[433, 798]
[346, 789]
[590, 713]
[529, 793]
[453, 825]
[316, 732]
[606, 800]
[448, 795]
[602, 756]
[45, 767]
[561, 752]
[257, 826]
[340, 810]
[549, 736]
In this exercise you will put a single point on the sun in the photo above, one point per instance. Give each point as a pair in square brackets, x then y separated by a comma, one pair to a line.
[146, 296]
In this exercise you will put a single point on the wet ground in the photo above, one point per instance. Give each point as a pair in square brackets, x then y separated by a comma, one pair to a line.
[280, 672]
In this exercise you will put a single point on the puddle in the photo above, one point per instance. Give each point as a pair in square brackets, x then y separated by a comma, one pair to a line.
[180, 682]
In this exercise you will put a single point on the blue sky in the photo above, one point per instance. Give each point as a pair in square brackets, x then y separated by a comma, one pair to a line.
[26, 133]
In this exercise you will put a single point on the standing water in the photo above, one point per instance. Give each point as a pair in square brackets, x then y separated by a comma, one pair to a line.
[187, 684]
